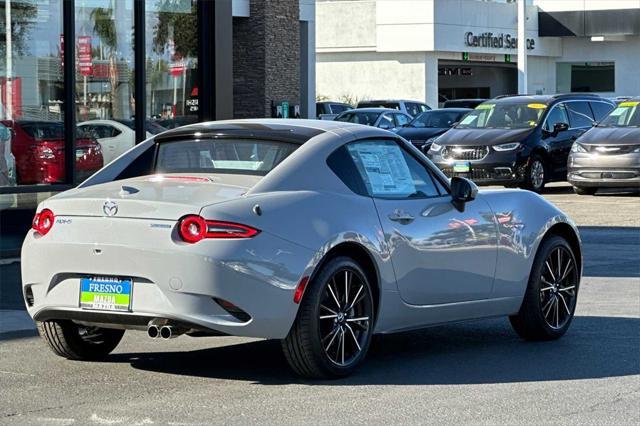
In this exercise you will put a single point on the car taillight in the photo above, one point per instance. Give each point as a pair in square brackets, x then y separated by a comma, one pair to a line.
[43, 221]
[194, 228]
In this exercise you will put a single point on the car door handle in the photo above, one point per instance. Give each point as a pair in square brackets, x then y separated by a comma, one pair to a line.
[400, 216]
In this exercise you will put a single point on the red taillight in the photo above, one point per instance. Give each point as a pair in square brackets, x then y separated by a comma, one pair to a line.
[43, 221]
[194, 228]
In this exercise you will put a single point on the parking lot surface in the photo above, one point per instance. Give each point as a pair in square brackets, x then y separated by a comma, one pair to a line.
[477, 372]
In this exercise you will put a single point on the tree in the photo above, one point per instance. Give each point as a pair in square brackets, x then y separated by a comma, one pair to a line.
[104, 27]
[23, 16]
[174, 23]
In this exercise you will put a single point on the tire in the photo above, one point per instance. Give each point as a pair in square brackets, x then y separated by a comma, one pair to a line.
[532, 180]
[332, 346]
[581, 190]
[548, 307]
[72, 341]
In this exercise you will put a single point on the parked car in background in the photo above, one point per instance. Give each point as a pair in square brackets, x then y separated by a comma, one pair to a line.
[608, 155]
[426, 127]
[172, 123]
[463, 103]
[383, 118]
[7, 160]
[116, 136]
[518, 140]
[38, 147]
[329, 110]
[413, 108]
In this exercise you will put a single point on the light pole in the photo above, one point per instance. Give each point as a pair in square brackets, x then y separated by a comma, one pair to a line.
[522, 47]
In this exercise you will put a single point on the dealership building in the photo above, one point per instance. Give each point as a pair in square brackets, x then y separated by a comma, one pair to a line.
[433, 50]
[116, 71]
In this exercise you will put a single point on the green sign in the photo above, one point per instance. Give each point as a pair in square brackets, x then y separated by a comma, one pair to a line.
[465, 56]
[507, 57]
[285, 109]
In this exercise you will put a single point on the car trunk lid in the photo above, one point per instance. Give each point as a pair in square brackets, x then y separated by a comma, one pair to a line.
[166, 197]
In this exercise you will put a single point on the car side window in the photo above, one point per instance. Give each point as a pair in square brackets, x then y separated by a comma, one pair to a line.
[386, 122]
[558, 114]
[580, 114]
[601, 109]
[413, 108]
[391, 172]
[401, 119]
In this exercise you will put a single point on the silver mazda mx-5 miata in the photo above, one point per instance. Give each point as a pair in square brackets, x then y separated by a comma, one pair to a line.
[318, 233]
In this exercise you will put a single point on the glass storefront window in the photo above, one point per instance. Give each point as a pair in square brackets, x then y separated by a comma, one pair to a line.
[172, 62]
[104, 82]
[585, 77]
[31, 93]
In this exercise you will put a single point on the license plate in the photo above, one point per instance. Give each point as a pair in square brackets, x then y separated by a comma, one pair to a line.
[462, 167]
[106, 294]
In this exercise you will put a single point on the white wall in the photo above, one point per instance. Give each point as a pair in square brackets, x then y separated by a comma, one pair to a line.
[369, 75]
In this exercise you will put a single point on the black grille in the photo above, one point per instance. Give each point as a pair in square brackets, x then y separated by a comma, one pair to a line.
[611, 149]
[28, 296]
[464, 152]
[475, 174]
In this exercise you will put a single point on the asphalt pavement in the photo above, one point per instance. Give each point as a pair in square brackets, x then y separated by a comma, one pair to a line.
[472, 373]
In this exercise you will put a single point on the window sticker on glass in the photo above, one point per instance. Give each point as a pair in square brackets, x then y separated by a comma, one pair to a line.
[618, 111]
[485, 106]
[469, 119]
[629, 103]
[536, 106]
[384, 167]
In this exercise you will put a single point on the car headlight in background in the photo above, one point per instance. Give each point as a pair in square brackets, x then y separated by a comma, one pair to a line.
[507, 146]
[576, 147]
[434, 146]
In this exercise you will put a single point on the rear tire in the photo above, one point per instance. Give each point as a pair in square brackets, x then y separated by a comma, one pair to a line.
[536, 175]
[73, 341]
[581, 190]
[550, 299]
[332, 332]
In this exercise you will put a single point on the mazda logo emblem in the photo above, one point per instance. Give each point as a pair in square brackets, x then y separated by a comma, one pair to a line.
[110, 208]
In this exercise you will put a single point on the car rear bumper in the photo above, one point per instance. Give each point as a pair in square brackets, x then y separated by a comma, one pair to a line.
[179, 282]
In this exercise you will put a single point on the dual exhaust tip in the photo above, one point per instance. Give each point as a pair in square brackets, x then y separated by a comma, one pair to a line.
[163, 332]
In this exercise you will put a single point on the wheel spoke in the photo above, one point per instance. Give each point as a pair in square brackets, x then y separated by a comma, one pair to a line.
[360, 319]
[354, 337]
[335, 299]
[328, 316]
[334, 332]
[566, 307]
[557, 313]
[546, 288]
[545, 311]
[355, 299]
[559, 262]
[567, 269]
[347, 284]
[553, 277]
[567, 288]
[330, 310]
[342, 339]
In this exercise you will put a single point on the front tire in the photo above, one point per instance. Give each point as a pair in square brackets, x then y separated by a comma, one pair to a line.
[73, 341]
[581, 190]
[535, 177]
[550, 299]
[332, 332]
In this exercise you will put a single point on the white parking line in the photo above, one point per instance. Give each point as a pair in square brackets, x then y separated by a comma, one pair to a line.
[14, 320]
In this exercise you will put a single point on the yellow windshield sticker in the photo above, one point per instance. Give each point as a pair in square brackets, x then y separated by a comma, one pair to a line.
[485, 106]
[537, 106]
[629, 103]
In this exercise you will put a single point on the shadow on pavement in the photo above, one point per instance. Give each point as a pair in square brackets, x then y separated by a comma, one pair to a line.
[471, 353]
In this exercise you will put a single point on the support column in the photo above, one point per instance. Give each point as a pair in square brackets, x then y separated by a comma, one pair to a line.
[431, 79]
[223, 40]
[522, 47]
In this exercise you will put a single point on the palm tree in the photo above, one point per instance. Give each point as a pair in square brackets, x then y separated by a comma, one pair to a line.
[105, 27]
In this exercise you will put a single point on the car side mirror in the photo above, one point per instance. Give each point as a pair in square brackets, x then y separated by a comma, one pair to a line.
[425, 148]
[462, 191]
[560, 127]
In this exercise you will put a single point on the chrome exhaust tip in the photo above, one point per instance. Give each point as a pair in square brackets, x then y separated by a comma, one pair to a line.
[167, 332]
[153, 331]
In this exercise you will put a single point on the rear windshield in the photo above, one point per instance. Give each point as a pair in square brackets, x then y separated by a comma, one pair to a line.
[627, 114]
[240, 156]
[359, 117]
[44, 130]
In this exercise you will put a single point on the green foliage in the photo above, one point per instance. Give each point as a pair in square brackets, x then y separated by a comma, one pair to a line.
[184, 27]
[23, 16]
[105, 27]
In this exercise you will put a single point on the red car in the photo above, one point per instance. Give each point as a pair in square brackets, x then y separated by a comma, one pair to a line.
[38, 147]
